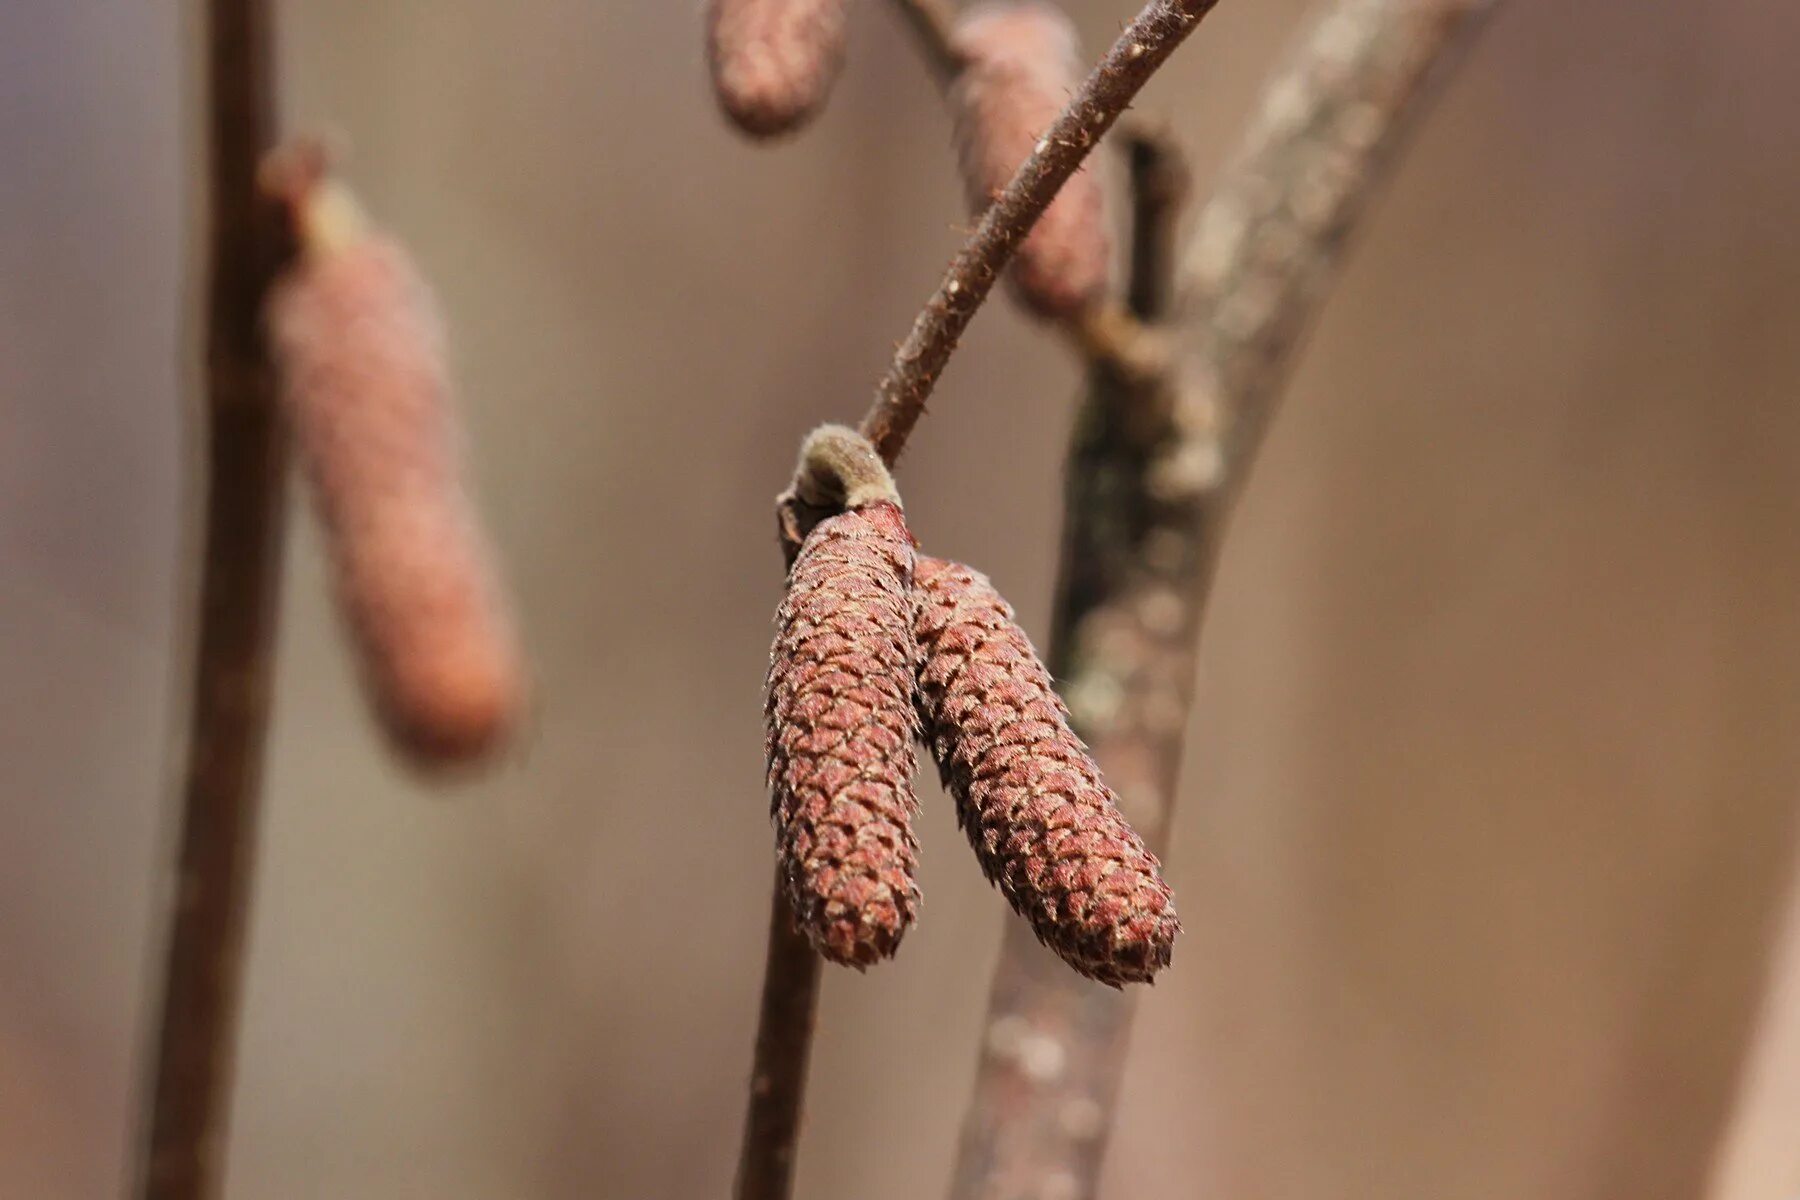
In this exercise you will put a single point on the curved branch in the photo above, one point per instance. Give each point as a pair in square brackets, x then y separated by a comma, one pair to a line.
[1154, 472]
[1144, 46]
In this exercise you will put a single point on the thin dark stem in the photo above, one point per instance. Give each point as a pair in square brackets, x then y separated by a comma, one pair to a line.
[783, 1047]
[1154, 471]
[186, 1105]
[1144, 46]
[931, 22]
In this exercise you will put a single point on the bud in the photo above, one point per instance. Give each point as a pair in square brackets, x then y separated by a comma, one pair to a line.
[1047, 830]
[841, 723]
[1021, 65]
[774, 61]
[364, 388]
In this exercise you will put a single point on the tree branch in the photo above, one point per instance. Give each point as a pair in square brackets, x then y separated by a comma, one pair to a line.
[790, 998]
[1144, 46]
[186, 1104]
[1154, 471]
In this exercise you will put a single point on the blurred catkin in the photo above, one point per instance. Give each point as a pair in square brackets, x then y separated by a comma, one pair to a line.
[365, 391]
[774, 61]
[1020, 66]
[840, 735]
[1047, 830]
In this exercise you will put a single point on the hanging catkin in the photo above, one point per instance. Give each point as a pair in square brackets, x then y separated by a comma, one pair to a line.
[1020, 66]
[840, 715]
[365, 391]
[774, 61]
[1047, 830]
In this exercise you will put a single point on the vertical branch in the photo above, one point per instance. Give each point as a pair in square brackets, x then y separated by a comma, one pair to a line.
[185, 1107]
[1156, 466]
[790, 999]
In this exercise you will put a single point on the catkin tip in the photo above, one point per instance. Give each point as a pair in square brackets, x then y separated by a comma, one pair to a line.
[290, 171]
[321, 213]
[774, 61]
[839, 468]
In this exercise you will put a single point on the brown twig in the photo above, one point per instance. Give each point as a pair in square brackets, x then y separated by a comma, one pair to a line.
[186, 1105]
[790, 997]
[1144, 46]
[1153, 474]
[931, 22]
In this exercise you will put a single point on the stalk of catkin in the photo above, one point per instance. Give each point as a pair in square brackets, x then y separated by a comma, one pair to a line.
[774, 61]
[1021, 64]
[365, 392]
[1047, 830]
[841, 727]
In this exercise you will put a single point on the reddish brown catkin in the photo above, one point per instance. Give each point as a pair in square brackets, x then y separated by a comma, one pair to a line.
[1021, 64]
[841, 727]
[365, 391]
[1047, 830]
[774, 61]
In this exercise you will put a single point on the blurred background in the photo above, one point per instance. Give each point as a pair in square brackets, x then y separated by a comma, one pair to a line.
[1489, 807]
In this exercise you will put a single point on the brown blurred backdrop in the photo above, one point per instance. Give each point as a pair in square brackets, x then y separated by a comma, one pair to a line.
[1489, 809]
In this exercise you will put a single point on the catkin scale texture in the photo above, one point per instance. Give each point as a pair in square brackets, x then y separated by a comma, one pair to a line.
[1045, 827]
[774, 61]
[366, 395]
[841, 727]
[1021, 65]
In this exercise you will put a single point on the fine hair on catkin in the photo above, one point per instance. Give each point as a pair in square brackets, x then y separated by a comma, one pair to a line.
[364, 387]
[1045, 827]
[773, 61]
[1020, 65]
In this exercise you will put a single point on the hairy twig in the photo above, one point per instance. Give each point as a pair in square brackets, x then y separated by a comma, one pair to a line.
[185, 1113]
[1144, 46]
[1155, 468]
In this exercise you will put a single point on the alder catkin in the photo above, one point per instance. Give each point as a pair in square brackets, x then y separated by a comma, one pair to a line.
[1046, 828]
[365, 391]
[841, 726]
[774, 61]
[1021, 66]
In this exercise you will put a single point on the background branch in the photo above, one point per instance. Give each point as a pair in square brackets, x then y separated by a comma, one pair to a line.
[1155, 467]
[1144, 46]
[185, 1107]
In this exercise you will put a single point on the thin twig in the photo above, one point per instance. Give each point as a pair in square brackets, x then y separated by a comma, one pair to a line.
[783, 1047]
[1144, 46]
[1153, 474]
[931, 22]
[186, 1105]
